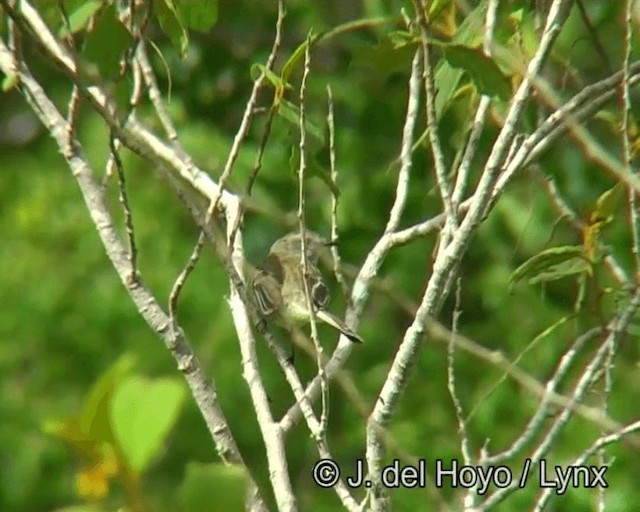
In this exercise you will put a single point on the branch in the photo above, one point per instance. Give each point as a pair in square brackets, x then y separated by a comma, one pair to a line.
[376, 256]
[442, 179]
[449, 258]
[615, 328]
[203, 391]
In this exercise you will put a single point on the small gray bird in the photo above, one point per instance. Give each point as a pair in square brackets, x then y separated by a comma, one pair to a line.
[279, 287]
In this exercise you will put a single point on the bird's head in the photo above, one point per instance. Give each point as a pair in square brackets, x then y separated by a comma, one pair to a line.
[290, 245]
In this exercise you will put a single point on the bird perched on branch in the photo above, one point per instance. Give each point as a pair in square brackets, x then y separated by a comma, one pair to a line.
[279, 287]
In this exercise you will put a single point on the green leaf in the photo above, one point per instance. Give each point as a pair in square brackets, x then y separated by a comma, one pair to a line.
[10, 82]
[387, 57]
[94, 418]
[471, 30]
[79, 17]
[351, 26]
[205, 484]
[296, 56]
[291, 113]
[447, 78]
[172, 25]
[437, 6]
[67, 430]
[199, 15]
[121, 92]
[552, 264]
[525, 37]
[401, 38]
[607, 203]
[483, 71]
[142, 414]
[446, 82]
[274, 79]
[567, 268]
[106, 43]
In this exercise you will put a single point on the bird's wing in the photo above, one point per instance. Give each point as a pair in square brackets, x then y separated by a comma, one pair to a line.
[266, 286]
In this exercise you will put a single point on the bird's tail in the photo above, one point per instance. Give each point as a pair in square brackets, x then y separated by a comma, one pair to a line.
[335, 322]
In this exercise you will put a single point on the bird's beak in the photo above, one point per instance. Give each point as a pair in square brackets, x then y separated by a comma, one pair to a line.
[331, 243]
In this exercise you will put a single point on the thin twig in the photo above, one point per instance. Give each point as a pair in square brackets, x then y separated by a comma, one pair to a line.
[462, 172]
[126, 208]
[442, 178]
[180, 281]
[634, 204]
[536, 422]
[448, 258]
[471, 495]
[156, 97]
[567, 118]
[582, 107]
[402, 186]
[375, 258]
[616, 327]
[203, 390]
[304, 265]
[235, 148]
[580, 461]
[250, 111]
[335, 254]
[593, 36]
[313, 423]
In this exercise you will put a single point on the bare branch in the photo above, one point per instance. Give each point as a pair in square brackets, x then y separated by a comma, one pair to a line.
[203, 391]
[600, 443]
[335, 254]
[319, 434]
[442, 177]
[615, 328]
[360, 291]
[448, 259]
[402, 186]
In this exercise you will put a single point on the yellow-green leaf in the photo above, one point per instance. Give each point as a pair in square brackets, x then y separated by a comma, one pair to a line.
[551, 264]
[142, 414]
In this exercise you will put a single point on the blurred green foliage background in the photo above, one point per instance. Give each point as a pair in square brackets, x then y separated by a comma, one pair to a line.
[67, 319]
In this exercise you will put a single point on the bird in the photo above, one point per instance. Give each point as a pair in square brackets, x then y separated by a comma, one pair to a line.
[278, 284]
